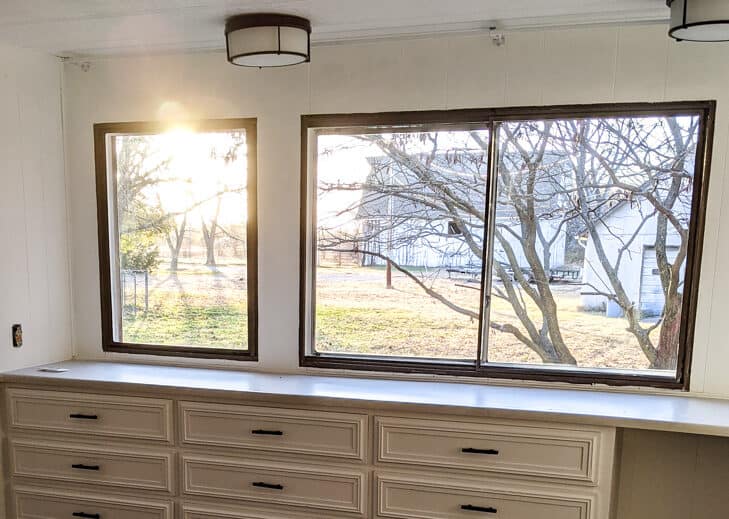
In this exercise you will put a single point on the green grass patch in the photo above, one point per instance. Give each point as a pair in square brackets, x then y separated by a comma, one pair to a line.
[188, 321]
[386, 331]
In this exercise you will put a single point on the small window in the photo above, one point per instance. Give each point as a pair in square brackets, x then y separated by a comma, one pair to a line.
[554, 244]
[177, 237]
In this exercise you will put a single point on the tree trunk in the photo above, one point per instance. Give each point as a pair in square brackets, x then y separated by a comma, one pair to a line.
[667, 349]
[209, 235]
[176, 245]
[209, 238]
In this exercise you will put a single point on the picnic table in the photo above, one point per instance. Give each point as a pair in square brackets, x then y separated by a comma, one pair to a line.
[471, 272]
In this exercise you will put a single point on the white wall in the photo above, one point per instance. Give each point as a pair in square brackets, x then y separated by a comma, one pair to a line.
[672, 476]
[34, 271]
[580, 65]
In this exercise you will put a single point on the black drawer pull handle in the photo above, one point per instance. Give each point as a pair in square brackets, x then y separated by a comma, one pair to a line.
[267, 433]
[261, 484]
[471, 450]
[86, 516]
[81, 466]
[484, 509]
[78, 416]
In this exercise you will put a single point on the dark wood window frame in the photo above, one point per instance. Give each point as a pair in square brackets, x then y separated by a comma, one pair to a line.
[101, 133]
[489, 118]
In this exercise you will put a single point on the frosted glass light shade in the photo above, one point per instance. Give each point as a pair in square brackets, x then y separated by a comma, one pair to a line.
[267, 40]
[699, 20]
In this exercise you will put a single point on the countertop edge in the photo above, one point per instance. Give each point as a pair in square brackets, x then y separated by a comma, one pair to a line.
[678, 415]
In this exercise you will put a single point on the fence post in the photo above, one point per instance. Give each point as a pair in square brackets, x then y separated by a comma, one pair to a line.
[146, 291]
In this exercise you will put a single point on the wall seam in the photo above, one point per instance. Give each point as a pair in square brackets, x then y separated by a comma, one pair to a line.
[712, 307]
[21, 166]
[67, 196]
[616, 60]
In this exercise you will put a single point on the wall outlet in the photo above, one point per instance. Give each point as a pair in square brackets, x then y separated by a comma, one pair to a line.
[17, 335]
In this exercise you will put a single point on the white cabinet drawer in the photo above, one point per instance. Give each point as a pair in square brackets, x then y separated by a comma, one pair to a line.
[338, 435]
[33, 503]
[552, 452]
[138, 469]
[325, 488]
[81, 413]
[409, 499]
[205, 511]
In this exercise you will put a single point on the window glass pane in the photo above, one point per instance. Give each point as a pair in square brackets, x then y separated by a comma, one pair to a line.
[180, 278]
[591, 235]
[400, 226]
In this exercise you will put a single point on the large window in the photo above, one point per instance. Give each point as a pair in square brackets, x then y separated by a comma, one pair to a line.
[557, 244]
[177, 237]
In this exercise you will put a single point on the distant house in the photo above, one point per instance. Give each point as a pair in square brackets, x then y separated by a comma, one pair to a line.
[638, 267]
[412, 234]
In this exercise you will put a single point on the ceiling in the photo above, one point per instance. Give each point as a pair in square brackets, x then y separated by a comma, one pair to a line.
[108, 27]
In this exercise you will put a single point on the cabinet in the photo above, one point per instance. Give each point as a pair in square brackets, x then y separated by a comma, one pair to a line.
[158, 455]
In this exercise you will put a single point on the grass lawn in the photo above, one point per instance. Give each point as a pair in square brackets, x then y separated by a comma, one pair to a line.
[199, 307]
[357, 314]
[189, 321]
[396, 331]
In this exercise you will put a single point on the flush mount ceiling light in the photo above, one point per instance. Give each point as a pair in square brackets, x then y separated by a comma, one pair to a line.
[267, 40]
[699, 20]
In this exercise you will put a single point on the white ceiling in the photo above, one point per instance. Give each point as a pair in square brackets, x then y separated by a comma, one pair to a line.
[103, 27]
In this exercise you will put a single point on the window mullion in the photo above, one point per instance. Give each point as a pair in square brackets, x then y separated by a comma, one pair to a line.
[488, 245]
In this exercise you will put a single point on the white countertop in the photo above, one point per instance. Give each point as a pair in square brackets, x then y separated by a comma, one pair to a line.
[679, 413]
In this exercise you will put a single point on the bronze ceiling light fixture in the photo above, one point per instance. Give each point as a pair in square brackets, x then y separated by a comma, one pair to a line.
[267, 40]
[699, 20]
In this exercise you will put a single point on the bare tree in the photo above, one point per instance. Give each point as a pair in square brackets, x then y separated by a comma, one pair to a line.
[649, 165]
[145, 166]
[174, 240]
[210, 233]
[551, 176]
[210, 227]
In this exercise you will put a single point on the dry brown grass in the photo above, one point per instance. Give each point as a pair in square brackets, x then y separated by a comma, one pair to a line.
[356, 313]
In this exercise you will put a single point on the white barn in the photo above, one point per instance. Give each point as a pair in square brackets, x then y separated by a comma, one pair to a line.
[638, 267]
[437, 249]
[432, 244]
[441, 250]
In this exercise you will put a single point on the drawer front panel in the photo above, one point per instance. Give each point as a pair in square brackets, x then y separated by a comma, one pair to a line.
[266, 482]
[442, 500]
[207, 512]
[101, 415]
[37, 504]
[515, 449]
[99, 466]
[282, 430]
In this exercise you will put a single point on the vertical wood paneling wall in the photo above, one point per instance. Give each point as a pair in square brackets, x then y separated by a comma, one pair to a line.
[34, 262]
[34, 270]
